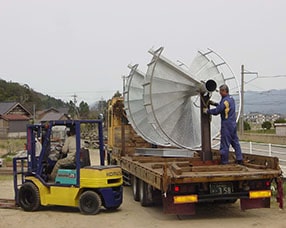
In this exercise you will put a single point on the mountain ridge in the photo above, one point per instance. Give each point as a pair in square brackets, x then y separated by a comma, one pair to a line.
[265, 102]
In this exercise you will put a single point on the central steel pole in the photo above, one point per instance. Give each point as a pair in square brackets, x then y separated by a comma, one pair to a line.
[206, 152]
[241, 121]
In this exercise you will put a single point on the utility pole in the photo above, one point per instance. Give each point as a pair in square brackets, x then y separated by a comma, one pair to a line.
[124, 78]
[241, 127]
[74, 99]
[243, 72]
[76, 112]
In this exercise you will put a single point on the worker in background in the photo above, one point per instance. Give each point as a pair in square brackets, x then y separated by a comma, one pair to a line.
[38, 146]
[226, 109]
[69, 149]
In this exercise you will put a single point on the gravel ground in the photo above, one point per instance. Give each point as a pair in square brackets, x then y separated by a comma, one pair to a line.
[131, 214]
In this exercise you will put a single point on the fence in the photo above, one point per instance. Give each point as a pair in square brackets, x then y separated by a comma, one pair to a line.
[268, 149]
[265, 149]
[273, 150]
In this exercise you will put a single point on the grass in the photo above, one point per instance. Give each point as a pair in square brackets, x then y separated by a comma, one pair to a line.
[261, 131]
[6, 177]
[12, 146]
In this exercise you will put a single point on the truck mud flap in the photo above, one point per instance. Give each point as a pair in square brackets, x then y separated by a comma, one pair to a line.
[177, 209]
[254, 203]
[280, 194]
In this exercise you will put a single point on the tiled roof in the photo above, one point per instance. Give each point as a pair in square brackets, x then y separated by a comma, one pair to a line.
[52, 116]
[6, 106]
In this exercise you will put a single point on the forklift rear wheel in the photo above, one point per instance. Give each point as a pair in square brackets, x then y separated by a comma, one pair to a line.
[135, 188]
[29, 197]
[89, 203]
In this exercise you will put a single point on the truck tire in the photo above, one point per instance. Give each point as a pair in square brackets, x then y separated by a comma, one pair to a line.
[135, 188]
[29, 197]
[145, 194]
[89, 203]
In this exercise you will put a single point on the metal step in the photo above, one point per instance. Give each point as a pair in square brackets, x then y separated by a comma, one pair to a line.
[126, 178]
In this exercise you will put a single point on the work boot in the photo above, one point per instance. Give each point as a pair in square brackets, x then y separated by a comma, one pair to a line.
[239, 162]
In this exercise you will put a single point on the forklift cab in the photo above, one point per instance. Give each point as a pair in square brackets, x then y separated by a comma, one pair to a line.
[53, 135]
[88, 188]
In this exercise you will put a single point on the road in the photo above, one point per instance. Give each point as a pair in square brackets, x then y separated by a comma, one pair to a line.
[132, 214]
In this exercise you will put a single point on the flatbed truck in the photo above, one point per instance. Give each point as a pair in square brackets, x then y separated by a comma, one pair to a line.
[180, 179]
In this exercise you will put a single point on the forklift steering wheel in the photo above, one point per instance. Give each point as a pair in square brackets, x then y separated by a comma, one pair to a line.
[58, 148]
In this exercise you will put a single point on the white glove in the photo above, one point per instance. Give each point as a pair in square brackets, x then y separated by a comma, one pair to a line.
[205, 110]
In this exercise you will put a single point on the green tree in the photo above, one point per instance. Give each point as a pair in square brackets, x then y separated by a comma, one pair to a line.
[246, 126]
[14, 92]
[83, 110]
[73, 110]
[266, 125]
[117, 94]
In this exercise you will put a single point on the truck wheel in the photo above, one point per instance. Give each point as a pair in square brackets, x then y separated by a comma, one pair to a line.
[29, 197]
[145, 194]
[89, 203]
[135, 188]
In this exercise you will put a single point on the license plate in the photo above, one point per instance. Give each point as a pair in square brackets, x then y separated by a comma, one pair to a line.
[221, 188]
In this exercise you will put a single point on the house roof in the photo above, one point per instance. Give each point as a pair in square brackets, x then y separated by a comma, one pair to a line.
[64, 110]
[52, 109]
[6, 107]
[42, 113]
[53, 116]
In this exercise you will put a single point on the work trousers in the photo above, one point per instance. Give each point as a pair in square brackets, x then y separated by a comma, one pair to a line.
[229, 137]
[65, 161]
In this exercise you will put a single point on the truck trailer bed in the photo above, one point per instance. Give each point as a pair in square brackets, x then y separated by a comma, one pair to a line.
[161, 171]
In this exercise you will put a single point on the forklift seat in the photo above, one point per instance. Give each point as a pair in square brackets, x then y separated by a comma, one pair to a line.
[84, 160]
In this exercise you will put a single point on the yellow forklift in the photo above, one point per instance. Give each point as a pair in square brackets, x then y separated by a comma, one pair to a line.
[78, 185]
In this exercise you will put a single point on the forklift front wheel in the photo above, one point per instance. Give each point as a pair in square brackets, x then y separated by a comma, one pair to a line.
[89, 203]
[29, 197]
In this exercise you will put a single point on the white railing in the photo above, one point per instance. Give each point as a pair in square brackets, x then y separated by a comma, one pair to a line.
[265, 149]
[268, 149]
[273, 150]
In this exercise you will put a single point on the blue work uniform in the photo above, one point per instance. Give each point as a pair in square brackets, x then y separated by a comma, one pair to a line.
[226, 109]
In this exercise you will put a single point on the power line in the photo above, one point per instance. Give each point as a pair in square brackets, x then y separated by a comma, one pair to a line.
[85, 91]
[273, 76]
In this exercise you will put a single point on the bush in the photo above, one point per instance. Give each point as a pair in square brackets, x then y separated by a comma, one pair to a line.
[266, 125]
[246, 126]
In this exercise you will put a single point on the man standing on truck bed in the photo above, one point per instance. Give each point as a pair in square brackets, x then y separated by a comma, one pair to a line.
[226, 109]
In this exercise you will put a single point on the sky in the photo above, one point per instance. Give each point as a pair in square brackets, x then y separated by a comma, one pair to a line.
[64, 48]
